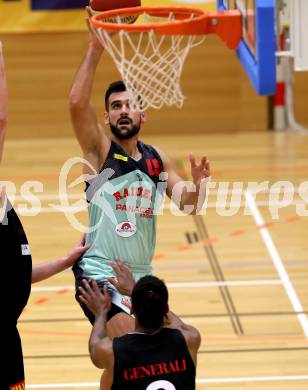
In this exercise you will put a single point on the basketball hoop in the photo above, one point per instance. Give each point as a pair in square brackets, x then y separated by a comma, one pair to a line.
[151, 53]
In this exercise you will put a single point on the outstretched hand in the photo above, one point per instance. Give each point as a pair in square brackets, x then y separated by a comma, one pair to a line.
[75, 253]
[95, 42]
[98, 302]
[199, 171]
[124, 281]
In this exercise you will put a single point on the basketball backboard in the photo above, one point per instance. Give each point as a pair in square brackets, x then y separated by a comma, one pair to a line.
[256, 50]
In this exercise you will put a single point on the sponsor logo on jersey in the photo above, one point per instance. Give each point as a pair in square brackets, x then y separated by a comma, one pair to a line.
[25, 250]
[144, 212]
[120, 157]
[18, 386]
[125, 229]
[154, 166]
[155, 369]
[139, 192]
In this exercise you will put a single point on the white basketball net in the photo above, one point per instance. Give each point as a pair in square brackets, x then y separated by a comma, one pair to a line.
[150, 64]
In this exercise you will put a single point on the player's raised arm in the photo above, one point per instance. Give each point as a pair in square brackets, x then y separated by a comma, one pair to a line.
[90, 134]
[52, 267]
[188, 197]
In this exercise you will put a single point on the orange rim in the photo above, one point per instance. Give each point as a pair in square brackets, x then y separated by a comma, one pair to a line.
[182, 25]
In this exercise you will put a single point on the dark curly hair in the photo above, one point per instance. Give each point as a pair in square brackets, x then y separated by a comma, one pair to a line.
[150, 301]
[116, 86]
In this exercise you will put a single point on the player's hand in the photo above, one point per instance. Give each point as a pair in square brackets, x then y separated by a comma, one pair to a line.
[75, 253]
[98, 302]
[124, 281]
[94, 41]
[199, 171]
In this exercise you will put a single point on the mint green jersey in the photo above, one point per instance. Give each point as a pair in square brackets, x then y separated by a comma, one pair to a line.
[123, 200]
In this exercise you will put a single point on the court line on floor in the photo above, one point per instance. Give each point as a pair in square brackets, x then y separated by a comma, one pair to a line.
[273, 252]
[188, 315]
[234, 283]
[202, 352]
[231, 337]
[200, 380]
[218, 274]
[249, 264]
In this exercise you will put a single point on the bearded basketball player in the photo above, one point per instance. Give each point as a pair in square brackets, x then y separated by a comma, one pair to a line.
[127, 178]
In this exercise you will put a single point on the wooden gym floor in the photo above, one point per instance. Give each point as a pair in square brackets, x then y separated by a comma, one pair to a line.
[241, 278]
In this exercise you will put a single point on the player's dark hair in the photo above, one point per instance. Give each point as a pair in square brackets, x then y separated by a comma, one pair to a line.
[150, 301]
[116, 86]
